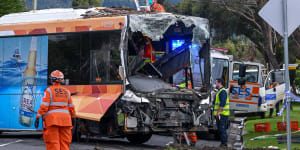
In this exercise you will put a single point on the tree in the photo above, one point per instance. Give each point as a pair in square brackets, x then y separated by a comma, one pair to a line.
[240, 17]
[85, 3]
[11, 6]
[254, 27]
[241, 48]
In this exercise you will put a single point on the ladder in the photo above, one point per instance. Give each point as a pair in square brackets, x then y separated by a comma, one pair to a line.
[139, 8]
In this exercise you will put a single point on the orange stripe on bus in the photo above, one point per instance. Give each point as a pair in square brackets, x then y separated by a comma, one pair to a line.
[82, 28]
[247, 83]
[59, 29]
[243, 102]
[20, 32]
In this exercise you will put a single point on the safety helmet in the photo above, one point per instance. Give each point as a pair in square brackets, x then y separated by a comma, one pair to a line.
[57, 76]
[150, 2]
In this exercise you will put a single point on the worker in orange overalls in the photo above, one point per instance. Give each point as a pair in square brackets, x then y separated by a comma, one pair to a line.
[156, 7]
[192, 137]
[57, 111]
[149, 52]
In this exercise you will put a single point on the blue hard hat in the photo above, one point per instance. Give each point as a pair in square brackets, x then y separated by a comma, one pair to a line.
[150, 2]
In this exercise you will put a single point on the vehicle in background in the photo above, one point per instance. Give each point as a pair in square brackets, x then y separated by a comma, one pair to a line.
[249, 93]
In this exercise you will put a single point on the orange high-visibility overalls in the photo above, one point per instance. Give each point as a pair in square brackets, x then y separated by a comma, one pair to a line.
[149, 53]
[192, 137]
[57, 110]
[157, 8]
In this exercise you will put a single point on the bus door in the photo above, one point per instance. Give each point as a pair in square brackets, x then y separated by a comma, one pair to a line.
[244, 97]
[220, 69]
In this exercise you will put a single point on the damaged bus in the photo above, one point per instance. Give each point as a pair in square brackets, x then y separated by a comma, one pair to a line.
[121, 68]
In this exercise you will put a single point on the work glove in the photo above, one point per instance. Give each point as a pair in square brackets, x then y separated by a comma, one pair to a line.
[36, 123]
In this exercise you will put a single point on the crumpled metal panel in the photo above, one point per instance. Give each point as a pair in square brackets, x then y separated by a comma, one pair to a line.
[146, 84]
[155, 25]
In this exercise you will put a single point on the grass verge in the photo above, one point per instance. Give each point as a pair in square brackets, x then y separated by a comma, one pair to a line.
[251, 144]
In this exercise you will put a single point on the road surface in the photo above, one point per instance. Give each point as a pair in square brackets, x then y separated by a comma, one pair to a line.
[34, 141]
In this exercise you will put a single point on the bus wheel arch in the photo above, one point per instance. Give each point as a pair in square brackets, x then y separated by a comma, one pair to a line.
[139, 138]
[76, 131]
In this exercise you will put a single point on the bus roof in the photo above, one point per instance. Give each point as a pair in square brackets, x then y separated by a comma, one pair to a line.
[42, 15]
[96, 19]
[63, 20]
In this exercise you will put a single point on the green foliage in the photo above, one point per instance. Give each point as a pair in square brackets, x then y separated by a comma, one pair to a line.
[11, 6]
[95, 3]
[222, 23]
[47, 4]
[119, 3]
[297, 78]
[241, 48]
[229, 18]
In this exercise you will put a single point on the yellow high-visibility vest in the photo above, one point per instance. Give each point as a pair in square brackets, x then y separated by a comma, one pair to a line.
[225, 110]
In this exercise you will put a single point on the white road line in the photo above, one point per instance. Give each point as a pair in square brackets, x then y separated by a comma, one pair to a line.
[2, 145]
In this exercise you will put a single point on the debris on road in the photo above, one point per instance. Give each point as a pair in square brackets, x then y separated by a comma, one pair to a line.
[235, 134]
[110, 12]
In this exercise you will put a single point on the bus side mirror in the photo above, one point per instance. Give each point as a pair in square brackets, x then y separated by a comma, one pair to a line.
[274, 89]
[242, 70]
[230, 89]
[241, 81]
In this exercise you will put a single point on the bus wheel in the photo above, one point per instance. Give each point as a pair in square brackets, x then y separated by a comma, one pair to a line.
[76, 134]
[262, 115]
[138, 138]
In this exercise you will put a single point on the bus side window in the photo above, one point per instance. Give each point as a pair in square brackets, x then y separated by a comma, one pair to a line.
[86, 57]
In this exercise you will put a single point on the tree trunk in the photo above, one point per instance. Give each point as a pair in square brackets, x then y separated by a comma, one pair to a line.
[268, 45]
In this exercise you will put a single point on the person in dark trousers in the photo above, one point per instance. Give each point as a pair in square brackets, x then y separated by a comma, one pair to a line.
[274, 85]
[221, 111]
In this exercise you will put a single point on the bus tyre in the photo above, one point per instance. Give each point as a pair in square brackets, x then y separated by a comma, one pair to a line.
[138, 138]
[262, 115]
[215, 134]
[76, 134]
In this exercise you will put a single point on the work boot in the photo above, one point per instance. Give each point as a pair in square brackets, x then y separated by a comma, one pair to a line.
[223, 145]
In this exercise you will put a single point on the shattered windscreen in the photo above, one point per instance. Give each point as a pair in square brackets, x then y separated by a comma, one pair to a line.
[155, 25]
[172, 48]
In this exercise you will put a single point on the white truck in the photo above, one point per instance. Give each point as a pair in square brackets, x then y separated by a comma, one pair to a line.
[250, 93]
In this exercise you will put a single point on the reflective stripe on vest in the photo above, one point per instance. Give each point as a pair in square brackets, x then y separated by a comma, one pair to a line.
[48, 89]
[39, 115]
[225, 110]
[59, 103]
[57, 110]
[69, 96]
[45, 103]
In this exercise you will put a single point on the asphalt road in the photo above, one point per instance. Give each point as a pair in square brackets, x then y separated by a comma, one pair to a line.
[34, 141]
